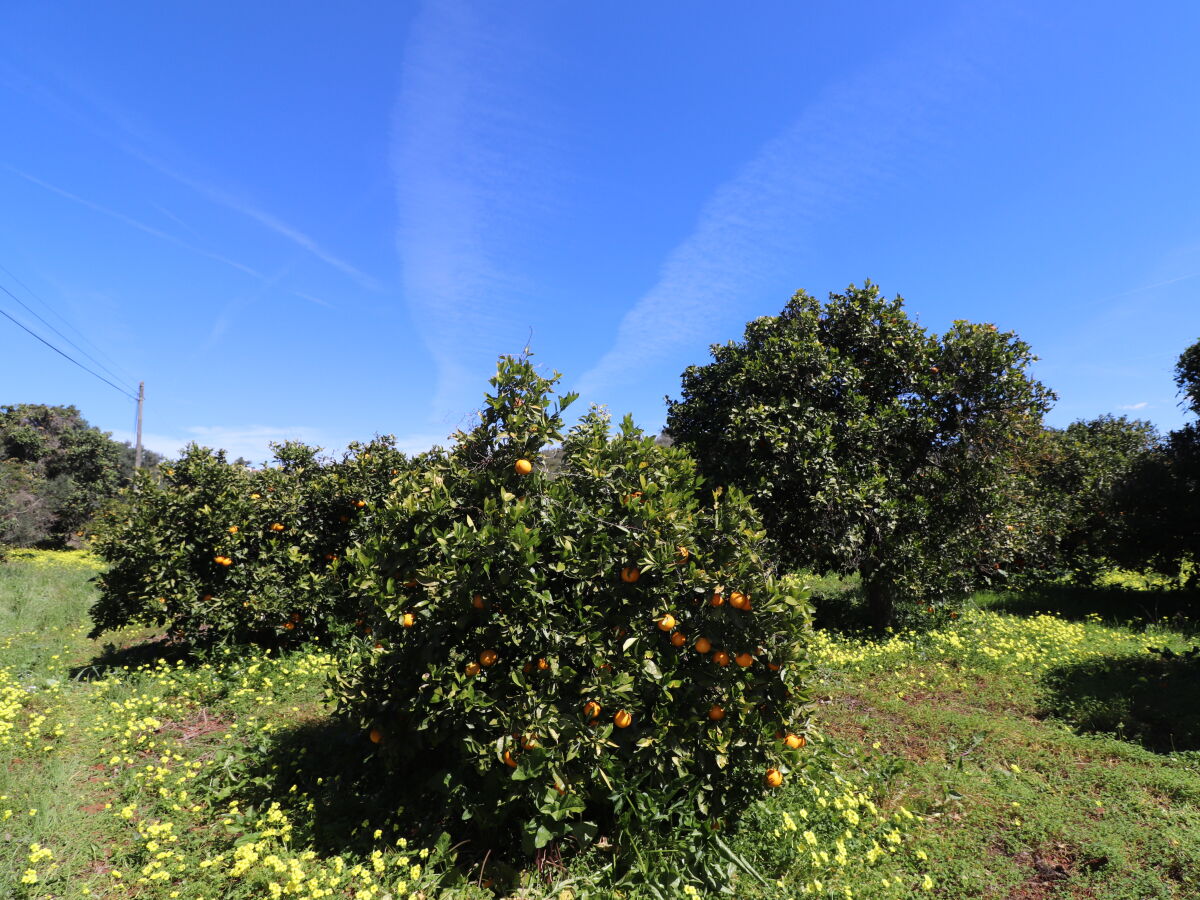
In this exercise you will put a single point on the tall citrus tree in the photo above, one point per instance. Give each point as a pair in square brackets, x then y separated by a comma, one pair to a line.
[867, 443]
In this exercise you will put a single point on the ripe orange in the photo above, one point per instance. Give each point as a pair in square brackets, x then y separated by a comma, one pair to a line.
[622, 719]
[478, 602]
[288, 626]
[745, 660]
[277, 526]
[472, 668]
[716, 713]
[255, 496]
[233, 529]
[223, 560]
[359, 504]
[702, 645]
[683, 554]
[488, 657]
[543, 665]
[774, 667]
[717, 599]
[207, 598]
[411, 583]
[591, 709]
[529, 742]
[774, 778]
[508, 759]
[523, 466]
[738, 600]
[376, 736]
[677, 639]
[630, 574]
[666, 623]
[408, 620]
[795, 741]
[721, 658]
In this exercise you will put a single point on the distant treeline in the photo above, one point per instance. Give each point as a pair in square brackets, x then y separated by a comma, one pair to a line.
[56, 471]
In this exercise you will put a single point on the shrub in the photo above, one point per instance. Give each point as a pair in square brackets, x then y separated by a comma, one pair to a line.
[531, 662]
[867, 443]
[216, 551]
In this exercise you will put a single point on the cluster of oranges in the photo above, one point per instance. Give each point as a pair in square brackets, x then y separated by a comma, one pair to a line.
[223, 560]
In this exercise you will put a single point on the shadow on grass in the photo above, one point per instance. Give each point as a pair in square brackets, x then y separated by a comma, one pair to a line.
[144, 653]
[1151, 700]
[359, 802]
[1113, 604]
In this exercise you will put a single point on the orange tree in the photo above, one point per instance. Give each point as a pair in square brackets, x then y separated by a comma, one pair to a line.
[216, 551]
[868, 444]
[605, 651]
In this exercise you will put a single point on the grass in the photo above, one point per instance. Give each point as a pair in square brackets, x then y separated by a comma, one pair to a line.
[1034, 747]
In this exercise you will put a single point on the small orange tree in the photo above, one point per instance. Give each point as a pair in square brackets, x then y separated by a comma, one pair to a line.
[216, 551]
[600, 651]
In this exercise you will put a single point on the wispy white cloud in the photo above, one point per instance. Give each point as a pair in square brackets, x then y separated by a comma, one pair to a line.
[82, 103]
[248, 209]
[758, 224]
[132, 222]
[469, 156]
[311, 299]
[1142, 405]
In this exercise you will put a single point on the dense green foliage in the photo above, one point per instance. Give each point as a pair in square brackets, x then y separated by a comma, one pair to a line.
[217, 551]
[869, 444]
[1159, 501]
[1071, 483]
[56, 471]
[606, 652]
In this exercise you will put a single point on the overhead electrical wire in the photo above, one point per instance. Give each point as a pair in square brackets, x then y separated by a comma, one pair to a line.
[34, 313]
[63, 354]
[120, 374]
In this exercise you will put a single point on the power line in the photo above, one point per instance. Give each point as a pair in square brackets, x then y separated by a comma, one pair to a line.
[124, 376]
[33, 313]
[26, 328]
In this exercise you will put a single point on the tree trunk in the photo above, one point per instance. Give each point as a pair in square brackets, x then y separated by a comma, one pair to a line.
[881, 609]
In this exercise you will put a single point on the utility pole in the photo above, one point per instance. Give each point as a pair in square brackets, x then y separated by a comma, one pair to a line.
[137, 453]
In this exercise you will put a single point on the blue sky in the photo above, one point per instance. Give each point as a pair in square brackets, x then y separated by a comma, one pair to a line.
[328, 223]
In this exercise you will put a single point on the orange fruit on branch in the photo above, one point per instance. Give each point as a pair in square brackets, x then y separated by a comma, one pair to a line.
[408, 620]
[591, 709]
[488, 657]
[376, 736]
[745, 660]
[721, 658]
[622, 719]
[523, 466]
[677, 639]
[666, 622]
[774, 778]
[795, 741]
[702, 645]
[716, 713]
[630, 574]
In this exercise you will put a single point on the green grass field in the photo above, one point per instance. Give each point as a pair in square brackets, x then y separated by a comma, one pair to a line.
[1010, 754]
